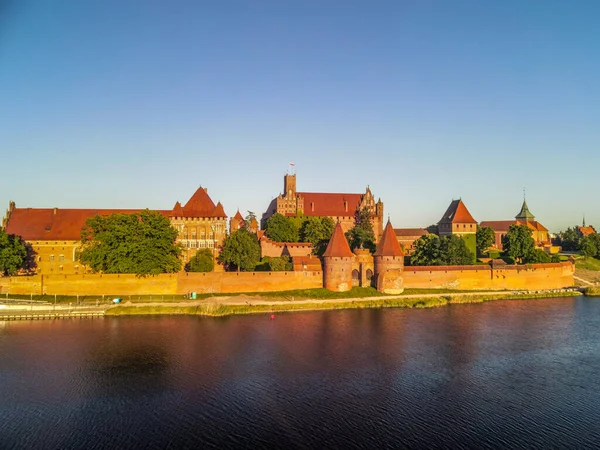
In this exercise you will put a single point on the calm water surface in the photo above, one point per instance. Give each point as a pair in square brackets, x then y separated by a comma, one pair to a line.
[512, 374]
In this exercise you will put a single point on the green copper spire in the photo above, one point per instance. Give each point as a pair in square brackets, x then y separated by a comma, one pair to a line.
[525, 214]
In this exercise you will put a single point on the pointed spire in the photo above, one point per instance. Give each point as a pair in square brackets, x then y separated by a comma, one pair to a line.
[177, 210]
[584, 220]
[388, 244]
[338, 244]
[525, 214]
[238, 216]
[219, 211]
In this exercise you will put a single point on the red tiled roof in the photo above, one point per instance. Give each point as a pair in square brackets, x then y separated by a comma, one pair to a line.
[586, 231]
[410, 232]
[219, 211]
[238, 216]
[502, 226]
[388, 244]
[308, 262]
[457, 212]
[338, 244]
[498, 226]
[326, 204]
[199, 205]
[55, 223]
[177, 210]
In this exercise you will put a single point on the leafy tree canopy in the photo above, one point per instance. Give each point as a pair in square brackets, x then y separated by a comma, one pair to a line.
[240, 251]
[361, 235]
[537, 257]
[317, 231]
[141, 243]
[485, 238]
[427, 251]
[202, 261]
[518, 243]
[454, 251]
[431, 250]
[13, 253]
[589, 245]
[569, 239]
[282, 229]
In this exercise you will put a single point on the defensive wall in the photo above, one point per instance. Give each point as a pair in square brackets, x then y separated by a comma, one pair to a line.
[484, 277]
[479, 277]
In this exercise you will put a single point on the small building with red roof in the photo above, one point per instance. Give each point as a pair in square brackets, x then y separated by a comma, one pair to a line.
[457, 220]
[539, 232]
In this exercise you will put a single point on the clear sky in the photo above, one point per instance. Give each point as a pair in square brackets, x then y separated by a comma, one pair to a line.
[127, 104]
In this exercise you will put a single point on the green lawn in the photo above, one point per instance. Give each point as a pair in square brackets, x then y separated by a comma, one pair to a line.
[587, 263]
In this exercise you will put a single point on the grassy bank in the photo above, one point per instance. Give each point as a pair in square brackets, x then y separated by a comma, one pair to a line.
[298, 294]
[217, 309]
[592, 291]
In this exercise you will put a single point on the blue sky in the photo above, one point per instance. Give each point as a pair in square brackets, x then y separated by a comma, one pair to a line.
[126, 104]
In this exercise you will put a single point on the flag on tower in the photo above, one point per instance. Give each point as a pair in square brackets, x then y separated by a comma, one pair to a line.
[292, 164]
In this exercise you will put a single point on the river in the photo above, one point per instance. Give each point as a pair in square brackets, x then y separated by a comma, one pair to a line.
[510, 374]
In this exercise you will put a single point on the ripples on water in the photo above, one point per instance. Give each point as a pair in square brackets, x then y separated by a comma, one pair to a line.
[513, 374]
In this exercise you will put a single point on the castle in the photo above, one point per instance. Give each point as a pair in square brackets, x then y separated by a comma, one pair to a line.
[340, 207]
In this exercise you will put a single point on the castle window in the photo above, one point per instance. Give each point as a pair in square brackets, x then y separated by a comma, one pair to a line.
[193, 234]
[185, 234]
[51, 257]
[61, 258]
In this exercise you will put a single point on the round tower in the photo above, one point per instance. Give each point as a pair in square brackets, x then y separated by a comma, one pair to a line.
[388, 260]
[337, 262]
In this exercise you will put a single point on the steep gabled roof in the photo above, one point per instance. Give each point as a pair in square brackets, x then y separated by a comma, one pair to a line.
[177, 210]
[457, 212]
[338, 244]
[238, 216]
[388, 244]
[199, 205]
[525, 214]
[326, 204]
[219, 211]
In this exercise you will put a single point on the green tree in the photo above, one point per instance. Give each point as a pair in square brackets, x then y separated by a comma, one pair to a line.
[361, 235]
[454, 251]
[518, 243]
[427, 251]
[13, 253]
[537, 257]
[282, 229]
[240, 251]
[485, 238]
[202, 261]
[141, 243]
[595, 238]
[317, 231]
[569, 240]
[587, 246]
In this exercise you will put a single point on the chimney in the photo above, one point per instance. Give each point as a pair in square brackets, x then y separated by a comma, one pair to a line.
[206, 190]
[55, 210]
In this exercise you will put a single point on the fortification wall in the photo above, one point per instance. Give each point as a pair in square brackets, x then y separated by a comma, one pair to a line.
[167, 284]
[530, 277]
[248, 281]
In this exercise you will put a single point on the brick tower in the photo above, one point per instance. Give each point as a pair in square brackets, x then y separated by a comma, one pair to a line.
[389, 262]
[337, 262]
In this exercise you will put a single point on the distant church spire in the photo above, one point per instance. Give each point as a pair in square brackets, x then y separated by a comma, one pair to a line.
[584, 220]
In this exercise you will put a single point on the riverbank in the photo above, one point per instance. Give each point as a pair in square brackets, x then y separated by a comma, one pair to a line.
[238, 305]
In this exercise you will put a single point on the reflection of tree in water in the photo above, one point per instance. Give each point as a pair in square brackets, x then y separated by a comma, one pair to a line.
[133, 368]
